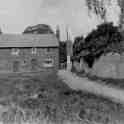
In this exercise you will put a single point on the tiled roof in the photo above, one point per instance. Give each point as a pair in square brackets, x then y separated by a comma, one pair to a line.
[28, 40]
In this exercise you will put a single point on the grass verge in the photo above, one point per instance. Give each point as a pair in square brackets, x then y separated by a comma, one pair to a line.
[45, 99]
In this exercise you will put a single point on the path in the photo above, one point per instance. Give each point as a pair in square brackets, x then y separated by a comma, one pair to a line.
[78, 83]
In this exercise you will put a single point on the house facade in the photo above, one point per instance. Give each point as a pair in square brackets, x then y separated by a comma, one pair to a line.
[28, 52]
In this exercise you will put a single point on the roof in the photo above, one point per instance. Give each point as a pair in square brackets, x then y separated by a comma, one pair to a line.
[28, 40]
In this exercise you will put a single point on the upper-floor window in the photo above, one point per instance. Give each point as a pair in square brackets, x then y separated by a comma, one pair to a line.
[34, 50]
[48, 49]
[15, 51]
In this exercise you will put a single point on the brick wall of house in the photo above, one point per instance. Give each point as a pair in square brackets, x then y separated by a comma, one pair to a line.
[26, 61]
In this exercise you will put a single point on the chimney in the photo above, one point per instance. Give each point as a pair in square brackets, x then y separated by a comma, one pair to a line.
[58, 32]
[69, 50]
[68, 43]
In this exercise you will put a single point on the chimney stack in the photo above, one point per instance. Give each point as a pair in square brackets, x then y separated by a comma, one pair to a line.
[69, 50]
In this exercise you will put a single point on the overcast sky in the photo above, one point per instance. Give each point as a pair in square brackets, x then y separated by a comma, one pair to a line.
[15, 15]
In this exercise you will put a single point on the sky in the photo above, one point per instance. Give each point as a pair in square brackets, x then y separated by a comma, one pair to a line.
[16, 15]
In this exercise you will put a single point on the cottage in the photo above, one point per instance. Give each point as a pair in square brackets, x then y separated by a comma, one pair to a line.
[28, 52]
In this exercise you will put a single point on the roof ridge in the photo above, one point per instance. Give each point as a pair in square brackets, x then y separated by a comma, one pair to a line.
[25, 40]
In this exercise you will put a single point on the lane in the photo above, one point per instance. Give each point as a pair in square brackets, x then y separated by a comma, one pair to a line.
[77, 83]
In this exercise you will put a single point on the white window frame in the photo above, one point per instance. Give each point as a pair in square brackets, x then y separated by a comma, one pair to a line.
[34, 50]
[15, 51]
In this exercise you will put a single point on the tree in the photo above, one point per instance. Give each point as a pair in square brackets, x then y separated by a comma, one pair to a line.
[0, 31]
[77, 45]
[62, 52]
[38, 29]
[106, 38]
[97, 6]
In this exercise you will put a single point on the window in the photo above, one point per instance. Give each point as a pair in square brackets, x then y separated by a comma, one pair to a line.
[34, 50]
[48, 62]
[48, 49]
[15, 51]
[24, 63]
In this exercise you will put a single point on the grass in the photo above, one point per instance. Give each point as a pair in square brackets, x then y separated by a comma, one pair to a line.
[45, 99]
[119, 83]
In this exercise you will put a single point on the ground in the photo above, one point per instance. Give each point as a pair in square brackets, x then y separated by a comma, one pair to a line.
[114, 93]
[42, 98]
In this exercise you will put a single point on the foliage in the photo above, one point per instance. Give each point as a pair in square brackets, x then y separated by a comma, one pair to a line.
[106, 38]
[62, 52]
[77, 45]
[0, 31]
[97, 7]
[38, 29]
[55, 103]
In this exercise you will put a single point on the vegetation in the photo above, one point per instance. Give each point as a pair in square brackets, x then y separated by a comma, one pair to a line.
[107, 81]
[62, 52]
[106, 38]
[97, 7]
[44, 98]
[38, 29]
[78, 44]
[0, 31]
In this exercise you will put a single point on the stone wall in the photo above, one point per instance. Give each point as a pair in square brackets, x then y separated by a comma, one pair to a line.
[109, 66]
[26, 61]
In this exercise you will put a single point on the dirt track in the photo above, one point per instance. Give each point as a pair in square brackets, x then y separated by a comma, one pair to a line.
[77, 83]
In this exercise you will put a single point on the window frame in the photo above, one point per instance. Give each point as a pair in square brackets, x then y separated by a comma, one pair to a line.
[15, 51]
[48, 49]
[33, 50]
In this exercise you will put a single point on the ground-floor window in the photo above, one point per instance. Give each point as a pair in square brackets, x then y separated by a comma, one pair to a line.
[15, 51]
[48, 62]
